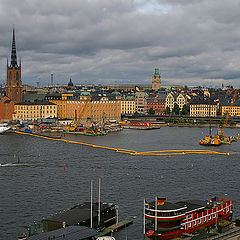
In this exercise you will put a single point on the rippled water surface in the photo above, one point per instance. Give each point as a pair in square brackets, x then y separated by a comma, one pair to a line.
[30, 193]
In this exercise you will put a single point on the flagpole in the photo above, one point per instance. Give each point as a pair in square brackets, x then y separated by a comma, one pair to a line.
[144, 228]
[155, 215]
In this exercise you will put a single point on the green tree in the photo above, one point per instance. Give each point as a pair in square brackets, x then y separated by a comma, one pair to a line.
[222, 121]
[181, 120]
[231, 122]
[175, 120]
[151, 111]
[201, 121]
[185, 110]
[176, 109]
[167, 120]
[190, 121]
[167, 110]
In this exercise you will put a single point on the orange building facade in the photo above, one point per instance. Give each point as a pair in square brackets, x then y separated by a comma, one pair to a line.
[85, 107]
[6, 109]
[102, 109]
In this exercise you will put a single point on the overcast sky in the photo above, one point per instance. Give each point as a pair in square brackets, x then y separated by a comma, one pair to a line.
[193, 42]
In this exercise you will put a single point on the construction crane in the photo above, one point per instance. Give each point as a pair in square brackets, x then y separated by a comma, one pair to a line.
[79, 118]
[219, 139]
[228, 114]
[83, 109]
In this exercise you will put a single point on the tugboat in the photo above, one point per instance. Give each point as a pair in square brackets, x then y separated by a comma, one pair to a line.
[166, 220]
[210, 140]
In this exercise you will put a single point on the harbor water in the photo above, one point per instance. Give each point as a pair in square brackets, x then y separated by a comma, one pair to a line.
[56, 175]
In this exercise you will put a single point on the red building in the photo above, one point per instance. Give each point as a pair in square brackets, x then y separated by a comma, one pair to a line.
[165, 220]
[157, 103]
[14, 82]
[6, 109]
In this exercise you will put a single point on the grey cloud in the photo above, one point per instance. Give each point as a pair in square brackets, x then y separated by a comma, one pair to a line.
[123, 40]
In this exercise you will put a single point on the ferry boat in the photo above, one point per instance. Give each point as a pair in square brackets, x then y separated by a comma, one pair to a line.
[166, 220]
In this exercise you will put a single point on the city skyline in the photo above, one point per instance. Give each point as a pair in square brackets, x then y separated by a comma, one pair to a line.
[109, 42]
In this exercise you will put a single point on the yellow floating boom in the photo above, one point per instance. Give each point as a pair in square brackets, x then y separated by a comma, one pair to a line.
[132, 152]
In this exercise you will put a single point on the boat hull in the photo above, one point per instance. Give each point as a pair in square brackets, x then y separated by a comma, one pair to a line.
[4, 129]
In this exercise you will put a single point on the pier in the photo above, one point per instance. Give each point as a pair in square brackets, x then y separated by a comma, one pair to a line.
[115, 228]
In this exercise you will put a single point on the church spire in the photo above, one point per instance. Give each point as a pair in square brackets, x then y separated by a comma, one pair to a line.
[14, 52]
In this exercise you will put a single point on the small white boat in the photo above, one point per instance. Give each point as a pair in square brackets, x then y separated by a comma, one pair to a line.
[20, 164]
[4, 129]
[106, 238]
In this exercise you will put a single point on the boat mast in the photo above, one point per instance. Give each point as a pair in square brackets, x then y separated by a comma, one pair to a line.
[99, 201]
[210, 127]
[91, 199]
[155, 215]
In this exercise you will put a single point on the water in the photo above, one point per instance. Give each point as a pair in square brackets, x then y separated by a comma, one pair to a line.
[30, 193]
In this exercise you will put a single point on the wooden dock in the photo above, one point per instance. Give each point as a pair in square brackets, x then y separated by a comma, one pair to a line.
[114, 228]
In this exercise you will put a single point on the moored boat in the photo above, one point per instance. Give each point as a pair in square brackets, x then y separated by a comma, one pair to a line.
[3, 129]
[106, 238]
[210, 140]
[166, 220]
[22, 237]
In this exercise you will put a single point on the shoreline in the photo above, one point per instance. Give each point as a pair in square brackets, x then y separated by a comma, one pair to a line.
[199, 125]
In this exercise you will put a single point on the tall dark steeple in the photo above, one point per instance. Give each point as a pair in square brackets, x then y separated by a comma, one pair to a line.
[14, 51]
[14, 81]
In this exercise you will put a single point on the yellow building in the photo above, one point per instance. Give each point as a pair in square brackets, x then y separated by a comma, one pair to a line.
[103, 109]
[60, 99]
[181, 101]
[201, 108]
[173, 98]
[31, 111]
[128, 106]
[233, 111]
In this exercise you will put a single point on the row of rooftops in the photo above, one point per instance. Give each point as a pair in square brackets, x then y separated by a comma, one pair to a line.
[35, 102]
[193, 96]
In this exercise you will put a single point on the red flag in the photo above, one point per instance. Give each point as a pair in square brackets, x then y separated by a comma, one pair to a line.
[161, 201]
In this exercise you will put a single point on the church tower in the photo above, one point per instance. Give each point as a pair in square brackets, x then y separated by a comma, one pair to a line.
[14, 82]
[156, 80]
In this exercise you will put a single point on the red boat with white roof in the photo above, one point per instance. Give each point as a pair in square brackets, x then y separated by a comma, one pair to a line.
[165, 220]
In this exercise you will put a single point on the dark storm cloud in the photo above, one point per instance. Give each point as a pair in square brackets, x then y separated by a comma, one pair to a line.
[123, 40]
